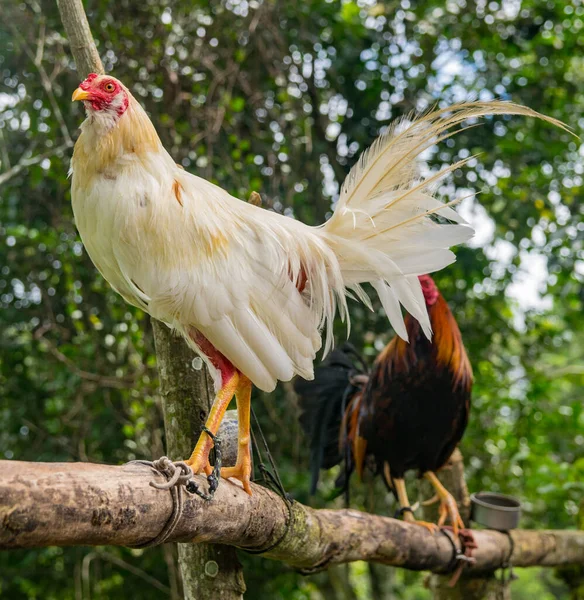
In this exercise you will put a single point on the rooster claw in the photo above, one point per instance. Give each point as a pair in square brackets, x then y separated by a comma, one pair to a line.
[449, 510]
[435, 498]
[431, 527]
[241, 472]
[448, 507]
[408, 516]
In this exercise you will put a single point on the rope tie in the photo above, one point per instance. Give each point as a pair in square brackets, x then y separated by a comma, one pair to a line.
[279, 540]
[178, 476]
[453, 559]
[271, 479]
[214, 477]
[460, 558]
[506, 564]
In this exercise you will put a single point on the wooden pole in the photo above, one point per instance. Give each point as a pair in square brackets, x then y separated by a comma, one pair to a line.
[573, 575]
[469, 586]
[208, 572]
[63, 504]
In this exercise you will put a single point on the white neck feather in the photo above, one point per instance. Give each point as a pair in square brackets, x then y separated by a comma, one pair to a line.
[100, 122]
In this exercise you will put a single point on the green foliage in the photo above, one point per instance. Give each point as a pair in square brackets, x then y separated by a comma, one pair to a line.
[280, 98]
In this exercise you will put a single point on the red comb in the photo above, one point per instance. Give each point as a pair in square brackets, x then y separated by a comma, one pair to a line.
[429, 288]
[85, 84]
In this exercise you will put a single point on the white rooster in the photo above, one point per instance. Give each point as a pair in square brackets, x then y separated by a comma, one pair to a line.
[249, 289]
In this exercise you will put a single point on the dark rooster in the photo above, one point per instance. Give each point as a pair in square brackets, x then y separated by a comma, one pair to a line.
[410, 412]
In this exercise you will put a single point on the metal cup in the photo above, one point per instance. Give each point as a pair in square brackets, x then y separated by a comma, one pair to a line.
[495, 511]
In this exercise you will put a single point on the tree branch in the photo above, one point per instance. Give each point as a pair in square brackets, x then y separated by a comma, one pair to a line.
[5, 159]
[128, 381]
[47, 83]
[81, 41]
[23, 163]
[65, 504]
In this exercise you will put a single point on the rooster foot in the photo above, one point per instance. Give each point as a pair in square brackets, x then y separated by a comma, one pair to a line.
[408, 517]
[448, 507]
[241, 471]
[431, 500]
[449, 510]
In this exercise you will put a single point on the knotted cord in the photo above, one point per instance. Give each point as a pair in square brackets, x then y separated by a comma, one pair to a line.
[463, 556]
[506, 565]
[399, 512]
[177, 475]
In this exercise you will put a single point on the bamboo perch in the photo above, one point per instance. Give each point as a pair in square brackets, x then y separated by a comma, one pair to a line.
[64, 504]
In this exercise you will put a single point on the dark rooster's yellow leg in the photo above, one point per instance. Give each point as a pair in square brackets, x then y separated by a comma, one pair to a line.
[408, 516]
[448, 507]
[242, 468]
[199, 459]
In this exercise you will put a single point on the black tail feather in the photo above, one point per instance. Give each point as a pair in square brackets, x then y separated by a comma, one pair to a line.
[323, 402]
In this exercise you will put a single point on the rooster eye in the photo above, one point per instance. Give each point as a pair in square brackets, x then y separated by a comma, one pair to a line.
[109, 87]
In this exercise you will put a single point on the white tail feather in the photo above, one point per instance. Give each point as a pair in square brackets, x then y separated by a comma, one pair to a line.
[382, 230]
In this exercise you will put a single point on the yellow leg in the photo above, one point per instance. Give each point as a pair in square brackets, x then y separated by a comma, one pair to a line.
[387, 473]
[242, 468]
[199, 460]
[402, 498]
[448, 507]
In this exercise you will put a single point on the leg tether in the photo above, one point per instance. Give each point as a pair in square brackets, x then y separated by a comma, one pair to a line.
[214, 474]
[407, 511]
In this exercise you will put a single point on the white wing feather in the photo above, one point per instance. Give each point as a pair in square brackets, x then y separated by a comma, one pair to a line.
[259, 286]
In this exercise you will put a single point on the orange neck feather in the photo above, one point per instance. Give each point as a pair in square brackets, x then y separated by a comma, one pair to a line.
[447, 346]
[450, 350]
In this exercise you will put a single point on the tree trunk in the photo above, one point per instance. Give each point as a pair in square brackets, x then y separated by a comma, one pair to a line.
[470, 588]
[208, 571]
[80, 39]
[340, 583]
[485, 587]
[382, 581]
[573, 575]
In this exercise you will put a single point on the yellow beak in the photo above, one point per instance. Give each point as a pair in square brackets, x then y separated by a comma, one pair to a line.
[79, 94]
